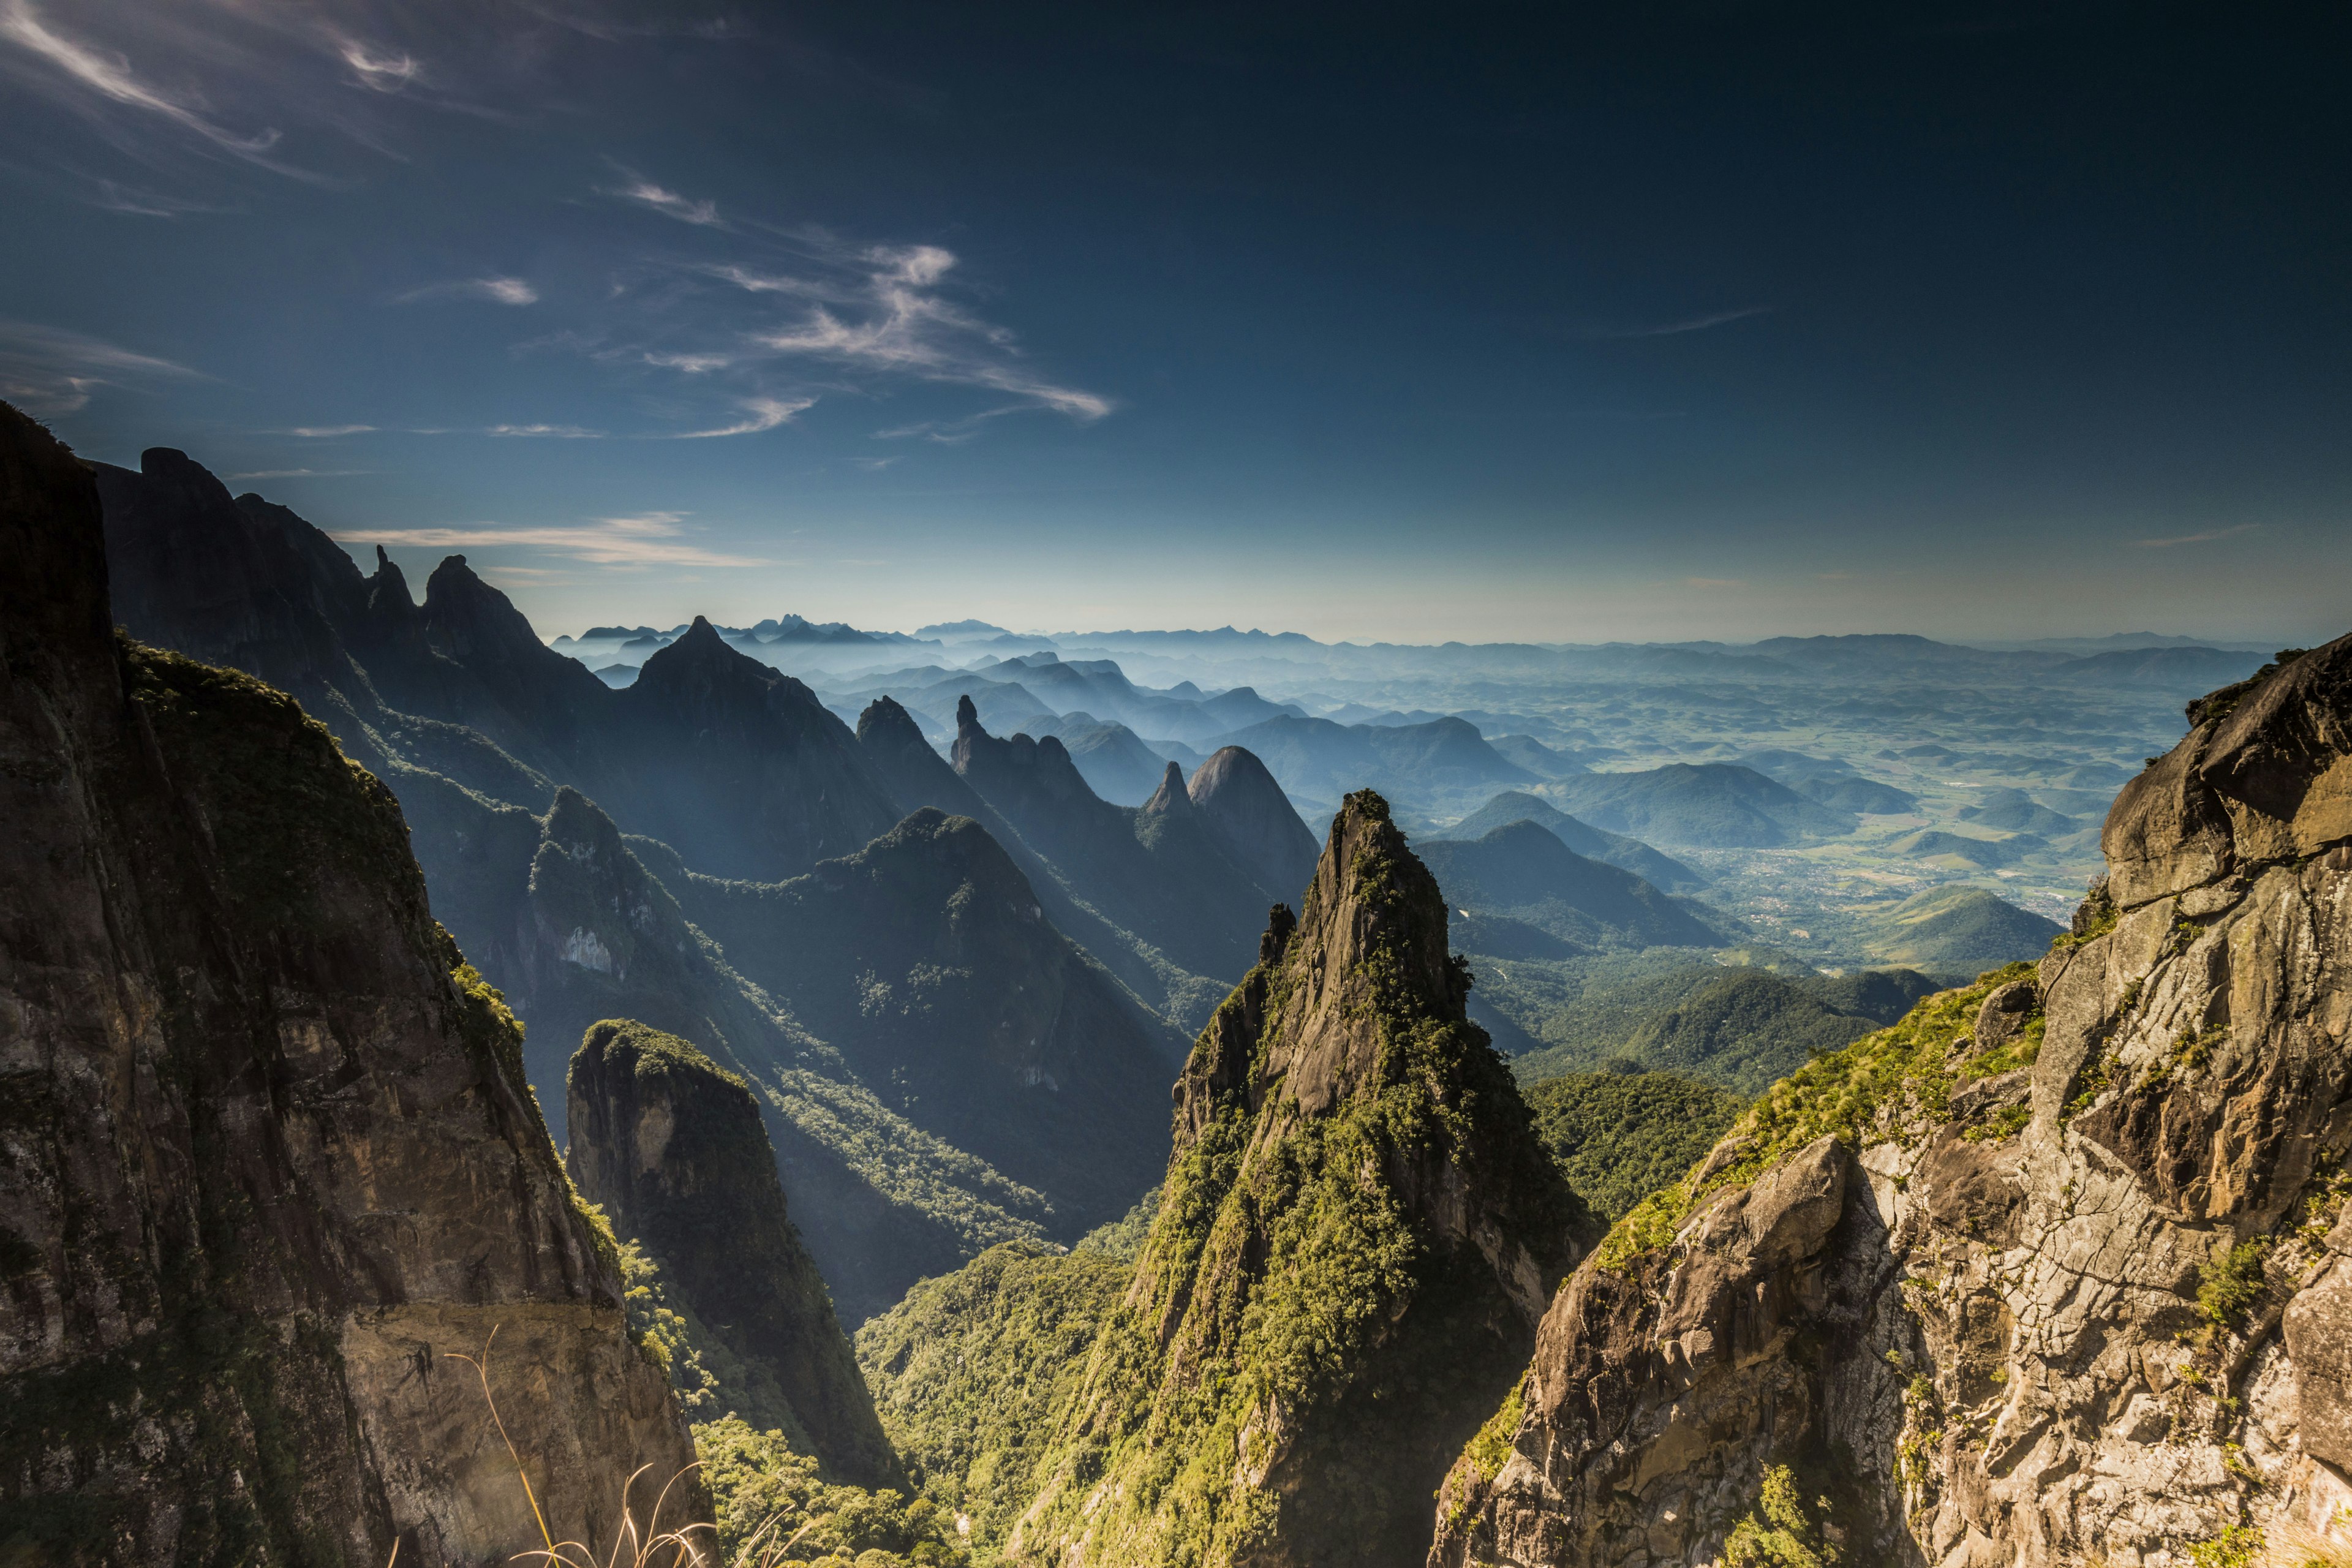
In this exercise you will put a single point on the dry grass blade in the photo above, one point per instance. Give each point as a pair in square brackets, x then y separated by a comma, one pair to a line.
[652, 1547]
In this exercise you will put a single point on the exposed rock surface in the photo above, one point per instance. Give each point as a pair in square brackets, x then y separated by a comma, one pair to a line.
[2039, 1276]
[267, 1162]
[1255, 820]
[669, 1144]
[1356, 1235]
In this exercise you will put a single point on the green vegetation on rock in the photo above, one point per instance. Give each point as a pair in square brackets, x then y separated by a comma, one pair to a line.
[1310, 1336]
[1892, 1084]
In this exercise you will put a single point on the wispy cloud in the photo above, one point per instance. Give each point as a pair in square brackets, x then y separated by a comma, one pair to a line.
[557, 432]
[647, 539]
[873, 465]
[692, 364]
[636, 187]
[753, 282]
[497, 291]
[109, 196]
[766, 413]
[2207, 537]
[46, 371]
[377, 70]
[320, 432]
[1675, 328]
[109, 78]
[299, 474]
[908, 327]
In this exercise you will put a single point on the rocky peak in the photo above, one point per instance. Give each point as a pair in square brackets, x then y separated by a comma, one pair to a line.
[2265, 776]
[1015, 772]
[475, 624]
[1341, 1119]
[717, 683]
[1253, 819]
[670, 1145]
[737, 766]
[883, 725]
[1169, 797]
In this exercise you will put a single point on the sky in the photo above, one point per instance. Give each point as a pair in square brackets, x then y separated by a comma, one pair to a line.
[1402, 324]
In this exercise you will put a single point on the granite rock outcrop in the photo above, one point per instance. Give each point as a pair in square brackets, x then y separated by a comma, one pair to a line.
[2056, 1270]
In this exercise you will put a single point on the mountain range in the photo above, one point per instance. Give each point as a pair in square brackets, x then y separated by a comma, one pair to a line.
[955, 1072]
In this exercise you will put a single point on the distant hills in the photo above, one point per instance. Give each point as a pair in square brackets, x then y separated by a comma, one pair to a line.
[1524, 873]
[1705, 805]
[1961, 931]
[1613, 848]
[1741, 1027]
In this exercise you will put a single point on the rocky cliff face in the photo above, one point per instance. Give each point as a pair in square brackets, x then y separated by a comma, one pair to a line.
[1356, 1235]
[669, 1144]
[1254, 819]
[269, 1161]
[2055, 1271]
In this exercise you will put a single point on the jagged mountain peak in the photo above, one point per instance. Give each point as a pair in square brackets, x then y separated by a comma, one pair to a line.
[474, 623]
[1170, 797]
[2260, 776]
[884, 723]
[701, 669]
[1238, 796]
[1356, 1197]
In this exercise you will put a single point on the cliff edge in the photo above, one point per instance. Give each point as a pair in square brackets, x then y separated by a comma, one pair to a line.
[270, 1161]
[2053, 1271]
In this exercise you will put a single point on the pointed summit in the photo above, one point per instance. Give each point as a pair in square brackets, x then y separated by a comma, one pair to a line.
[1357, 1197]
[1170, 797]
[1255, 820]
[967, 718]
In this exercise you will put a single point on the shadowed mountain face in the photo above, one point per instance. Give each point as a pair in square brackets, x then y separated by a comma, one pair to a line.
[1708, 806]
[1629, 853]
[1159, 871]
[918, 776]
[269, 1148]
[1525, 873]
[741, 770]
[524, 776]
[669, 1144]
[927, 959]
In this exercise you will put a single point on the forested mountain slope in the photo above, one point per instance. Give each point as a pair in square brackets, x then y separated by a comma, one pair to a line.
[1356, 1231]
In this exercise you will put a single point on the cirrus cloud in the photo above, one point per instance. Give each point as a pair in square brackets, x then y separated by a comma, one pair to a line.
[646, 538]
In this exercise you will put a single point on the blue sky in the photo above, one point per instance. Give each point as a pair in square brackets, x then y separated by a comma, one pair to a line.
[1375, 322]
